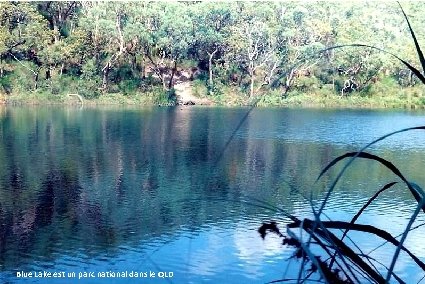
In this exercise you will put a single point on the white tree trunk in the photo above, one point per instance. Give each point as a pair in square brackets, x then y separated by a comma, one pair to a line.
[210, 58]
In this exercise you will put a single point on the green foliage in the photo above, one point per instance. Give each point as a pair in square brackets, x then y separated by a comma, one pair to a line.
[5, 84]
[89, 84]
[89, 70]
[257, 47]
[22, 28]
[22, 79]
[306, 84]
[128, 87]
[273, 98]
[384, 87]
[199, 89]
[88, 89]
[170, 97]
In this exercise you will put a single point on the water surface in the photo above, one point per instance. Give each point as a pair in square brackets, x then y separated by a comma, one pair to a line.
[162, 190]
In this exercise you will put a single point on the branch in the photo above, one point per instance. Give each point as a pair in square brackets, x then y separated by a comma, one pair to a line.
[35, 74]
[67, 13]
[156, 68]
[120, 35]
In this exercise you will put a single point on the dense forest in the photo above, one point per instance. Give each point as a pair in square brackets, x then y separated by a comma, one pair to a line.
[232, 53]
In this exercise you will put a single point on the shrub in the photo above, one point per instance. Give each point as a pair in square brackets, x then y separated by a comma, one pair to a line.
[22, 79]
[89, 89]
[5, 84]
[128, 87]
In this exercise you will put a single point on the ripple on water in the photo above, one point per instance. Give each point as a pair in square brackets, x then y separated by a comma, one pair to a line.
[134, 191]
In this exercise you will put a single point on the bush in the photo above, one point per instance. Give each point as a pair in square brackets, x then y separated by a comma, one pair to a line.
[306, 84]
[128, 87]
[199, 88]
[22, 79]
[61, 85]
[5, 84]
[89, 89]
[383, 87]
[123, 73]
[272, 98]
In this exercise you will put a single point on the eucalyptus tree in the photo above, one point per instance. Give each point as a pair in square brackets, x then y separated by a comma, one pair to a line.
[62, 19]
[170, 38]
[374, 24]
[23, 33]
[112, 33]
[255, 42]
[212, 23]
[60, 15]
[303, 34]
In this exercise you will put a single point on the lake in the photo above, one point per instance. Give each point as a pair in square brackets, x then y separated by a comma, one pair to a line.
[166, 192]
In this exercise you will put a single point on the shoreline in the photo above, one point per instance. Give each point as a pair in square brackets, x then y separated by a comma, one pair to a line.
[228, 100]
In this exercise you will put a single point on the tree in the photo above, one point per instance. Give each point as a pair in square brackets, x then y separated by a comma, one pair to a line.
[256, 43]
[212, 22]
[106, 22]
[24, 33]
[170, 38]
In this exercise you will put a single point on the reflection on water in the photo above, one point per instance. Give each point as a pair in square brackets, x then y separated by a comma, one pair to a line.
[140, 190]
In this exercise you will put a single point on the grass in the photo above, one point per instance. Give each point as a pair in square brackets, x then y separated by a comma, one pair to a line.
[331, 258]
[386, 93]
[155, 97]
[407, 98]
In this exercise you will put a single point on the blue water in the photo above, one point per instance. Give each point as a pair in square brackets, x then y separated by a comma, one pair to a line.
[160, 190]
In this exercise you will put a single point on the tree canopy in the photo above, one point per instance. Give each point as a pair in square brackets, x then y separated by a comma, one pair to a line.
[256, 47]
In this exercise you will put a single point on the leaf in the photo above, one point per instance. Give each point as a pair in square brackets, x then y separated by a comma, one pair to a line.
[418, 48]
[414, 188]
[312, 227]
[272, 227]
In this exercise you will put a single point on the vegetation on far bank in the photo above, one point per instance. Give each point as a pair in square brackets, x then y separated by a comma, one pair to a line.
[268, 53]
[406, 98]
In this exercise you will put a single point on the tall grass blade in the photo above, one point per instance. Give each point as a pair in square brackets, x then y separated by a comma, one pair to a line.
[365, 155]
[414, 189]
[403, 238]
[418, 48]
[411, 229]
[308, 225]
[387, 186]
[341, 173]
[312, 257]
[408, 65]
[312, 228]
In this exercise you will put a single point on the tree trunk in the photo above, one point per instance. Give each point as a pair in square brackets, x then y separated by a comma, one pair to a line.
[289, 80]
[251, 87]
[210, 58]
[55, 30]
[158, 72]
[170, 84]
[164, 84]
[143, 67]
[105, 77]
[36, 76]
